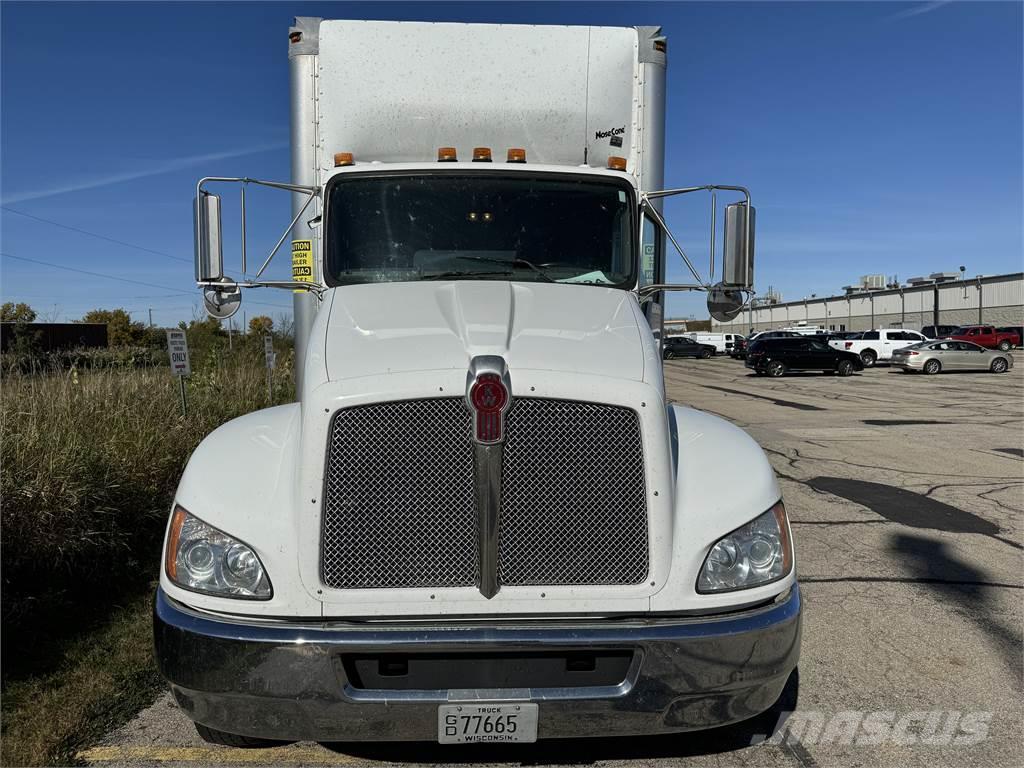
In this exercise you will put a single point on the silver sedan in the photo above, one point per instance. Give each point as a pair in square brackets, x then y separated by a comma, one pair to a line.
[950, 355]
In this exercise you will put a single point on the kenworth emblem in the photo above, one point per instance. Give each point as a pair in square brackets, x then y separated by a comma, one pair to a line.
[488, 394]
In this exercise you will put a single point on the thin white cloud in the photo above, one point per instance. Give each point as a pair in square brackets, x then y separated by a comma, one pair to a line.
[165, 166]
[917, 10]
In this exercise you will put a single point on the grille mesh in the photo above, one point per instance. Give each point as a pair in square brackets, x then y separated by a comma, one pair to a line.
[399, 509]
[398, 503]
[574, 503]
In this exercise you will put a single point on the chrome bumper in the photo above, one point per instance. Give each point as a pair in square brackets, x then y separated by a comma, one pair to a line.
[288, 681]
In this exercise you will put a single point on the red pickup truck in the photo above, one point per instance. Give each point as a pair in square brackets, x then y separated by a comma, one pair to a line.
[986, 336]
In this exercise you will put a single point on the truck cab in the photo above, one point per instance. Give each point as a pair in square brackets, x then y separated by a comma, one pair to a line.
[482, 519]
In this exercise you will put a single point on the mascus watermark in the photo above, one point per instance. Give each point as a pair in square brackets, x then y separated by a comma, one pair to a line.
[863, 728]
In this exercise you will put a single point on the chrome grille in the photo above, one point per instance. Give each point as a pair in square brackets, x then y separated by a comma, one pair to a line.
[398, 497]
[399, 508]
[574, 501]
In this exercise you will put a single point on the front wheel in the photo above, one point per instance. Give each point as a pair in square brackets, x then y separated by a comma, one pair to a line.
[1004, 346]
[776, 368]
[868, 357]
[932, 367]
[998, 365]
[213, 736]
[669, 355]
[845, 368]
[704, 354]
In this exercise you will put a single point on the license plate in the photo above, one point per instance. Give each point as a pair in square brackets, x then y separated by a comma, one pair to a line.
[486, 723]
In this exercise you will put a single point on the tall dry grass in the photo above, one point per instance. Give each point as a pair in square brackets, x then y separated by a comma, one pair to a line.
[89, 461]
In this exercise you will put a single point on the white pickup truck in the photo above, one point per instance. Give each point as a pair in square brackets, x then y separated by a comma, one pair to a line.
[876, 346]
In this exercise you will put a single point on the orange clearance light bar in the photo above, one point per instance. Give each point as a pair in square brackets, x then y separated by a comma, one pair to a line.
[616, 163]
[481, 154]
[447, 155]
[516, 155]
[342, 159]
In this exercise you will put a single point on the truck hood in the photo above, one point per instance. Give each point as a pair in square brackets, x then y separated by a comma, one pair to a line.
[418, 326]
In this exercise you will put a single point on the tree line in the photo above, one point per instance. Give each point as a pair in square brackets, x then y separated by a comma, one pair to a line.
[122, 331]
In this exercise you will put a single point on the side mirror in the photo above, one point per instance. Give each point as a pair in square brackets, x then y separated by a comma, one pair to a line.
[209, 250]
[738, 256]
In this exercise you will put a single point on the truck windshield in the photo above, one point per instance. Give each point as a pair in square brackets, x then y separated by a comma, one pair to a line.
[479, 227]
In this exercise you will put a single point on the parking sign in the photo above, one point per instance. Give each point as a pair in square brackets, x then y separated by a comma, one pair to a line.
[177, 349]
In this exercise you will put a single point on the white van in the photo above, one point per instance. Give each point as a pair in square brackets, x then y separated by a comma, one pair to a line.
[722, 342]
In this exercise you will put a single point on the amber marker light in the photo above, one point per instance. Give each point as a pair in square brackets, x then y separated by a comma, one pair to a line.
[516, 155]
[616, 163]
[481, 154]
[342, 159]
[173, 539]
[447, 155]
[779, 511]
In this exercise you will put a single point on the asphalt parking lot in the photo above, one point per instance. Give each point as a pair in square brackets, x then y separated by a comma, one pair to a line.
[906, 494]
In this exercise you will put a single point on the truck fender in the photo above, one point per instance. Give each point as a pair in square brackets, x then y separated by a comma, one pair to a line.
[723, 480]
[240, 479]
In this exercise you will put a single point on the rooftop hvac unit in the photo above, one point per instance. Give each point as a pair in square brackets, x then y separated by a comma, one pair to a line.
[872, 282]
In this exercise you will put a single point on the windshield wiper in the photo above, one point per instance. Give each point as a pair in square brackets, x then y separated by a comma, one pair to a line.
[517, 262]
[447, 275]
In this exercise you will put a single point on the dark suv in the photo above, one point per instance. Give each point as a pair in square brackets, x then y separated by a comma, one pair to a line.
[776, 357]
[681, 346]
[938, 331]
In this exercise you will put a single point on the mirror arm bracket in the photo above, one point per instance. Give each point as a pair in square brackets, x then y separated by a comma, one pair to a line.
[233, 285]
[660, 221]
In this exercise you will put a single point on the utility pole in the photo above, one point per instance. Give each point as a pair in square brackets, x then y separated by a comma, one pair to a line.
[150, 317]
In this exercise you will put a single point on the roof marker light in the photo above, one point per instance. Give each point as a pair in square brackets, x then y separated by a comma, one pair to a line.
[616, 163]
[516, 155]
[481, 154]
[447, 155]
[342, 159]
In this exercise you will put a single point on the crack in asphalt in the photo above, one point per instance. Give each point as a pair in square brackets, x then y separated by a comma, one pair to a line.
[784, 403]
[900, 422]
[1011, 451]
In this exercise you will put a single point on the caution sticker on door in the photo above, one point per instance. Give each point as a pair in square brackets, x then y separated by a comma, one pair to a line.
[302, 261]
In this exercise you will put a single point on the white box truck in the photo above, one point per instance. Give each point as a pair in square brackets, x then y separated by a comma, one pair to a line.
[482, 520]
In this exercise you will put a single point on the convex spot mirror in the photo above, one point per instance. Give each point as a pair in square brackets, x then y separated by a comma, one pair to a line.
[724, 304]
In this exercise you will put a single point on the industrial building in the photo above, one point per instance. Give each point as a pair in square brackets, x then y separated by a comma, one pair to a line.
[943, 298]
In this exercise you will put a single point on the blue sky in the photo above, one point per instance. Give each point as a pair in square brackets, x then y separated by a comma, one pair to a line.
[875, 137]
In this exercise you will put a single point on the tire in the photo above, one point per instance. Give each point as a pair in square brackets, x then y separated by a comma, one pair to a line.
[213, 736]
[1004, 346]
[704, 354]
[669, 355]
[998, 365]
[868, 357]
[776, 368]
[845, 368]
[932, 367]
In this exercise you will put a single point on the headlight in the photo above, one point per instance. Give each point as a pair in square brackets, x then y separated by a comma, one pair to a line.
[758, 553]
[204, 559]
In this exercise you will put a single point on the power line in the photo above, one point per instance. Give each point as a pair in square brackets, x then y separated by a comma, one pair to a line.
[125, 279]
[95, 274]
[94, 234]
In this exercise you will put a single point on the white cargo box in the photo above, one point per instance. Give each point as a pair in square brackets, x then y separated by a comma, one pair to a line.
[397, 91]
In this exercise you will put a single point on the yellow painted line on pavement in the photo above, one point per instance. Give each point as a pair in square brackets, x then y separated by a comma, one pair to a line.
[294, 755]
